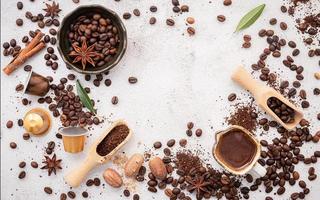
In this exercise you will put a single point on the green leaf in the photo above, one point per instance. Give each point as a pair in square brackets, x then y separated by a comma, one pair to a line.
[85, 99]
[252, 16]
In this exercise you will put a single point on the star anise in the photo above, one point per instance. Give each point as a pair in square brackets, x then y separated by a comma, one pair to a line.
[51, 164]
[198, 184]
[84, 54]
[52, 10]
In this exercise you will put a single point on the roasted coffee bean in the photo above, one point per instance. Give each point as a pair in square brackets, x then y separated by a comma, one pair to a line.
[19, 22]
[126, 15]
[295, 52]
[19, 87]
[71, 195]
[22, 164]
[136, 197]
[273, 21]
[47, 190]
[170, 22]
[132, 80]
[312, 177]
[283, 26]
[9, 124]
[227, 2]
[56, 22]
[19, 5]
[6, 45]
[126, 193]
[13, 43]
[232, 97]
[191, 30]
[292, 44]
[171, 143]
[176, 9]
[305, 104]
[20, 122]
[183, 142]
[34, 164]
[27, 68]
[63, 196]
[262, 33]
[26, 136]
[22, 175]
[184, 8]
[153, 8]
[114, 100]
[221, 18]
[198, 132]
[157, 145]
[152, 20]
[189, 132]
[53, 31]
[152, 189]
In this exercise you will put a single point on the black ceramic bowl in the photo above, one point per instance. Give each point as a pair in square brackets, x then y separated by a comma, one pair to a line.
[64, 45]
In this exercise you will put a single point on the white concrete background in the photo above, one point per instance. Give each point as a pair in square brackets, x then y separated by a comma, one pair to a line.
[181, 79]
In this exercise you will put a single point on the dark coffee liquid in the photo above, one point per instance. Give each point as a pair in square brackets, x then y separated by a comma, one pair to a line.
[236, 149]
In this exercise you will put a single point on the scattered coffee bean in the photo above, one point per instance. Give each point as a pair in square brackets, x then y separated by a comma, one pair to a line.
[22, 175]
[132, 80]
[19, 5]
[47, 190]
[170, 22]
[191, 30]
[153, 8]
[114, 100]
[152, 20]
[221, 18]
[136, 12]
[19, 22]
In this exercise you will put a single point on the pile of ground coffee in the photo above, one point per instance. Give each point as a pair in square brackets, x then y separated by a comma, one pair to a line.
[245, 116]
[116, 136]
[186, 161]
[310, 24]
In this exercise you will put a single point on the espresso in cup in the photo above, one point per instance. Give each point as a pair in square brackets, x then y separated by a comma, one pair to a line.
[237, 151]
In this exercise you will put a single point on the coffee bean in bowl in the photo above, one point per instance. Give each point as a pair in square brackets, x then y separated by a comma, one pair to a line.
[92, 39]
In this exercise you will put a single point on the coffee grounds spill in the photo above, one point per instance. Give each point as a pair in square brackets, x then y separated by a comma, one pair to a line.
[295, 2]
[245, 116]
[186, 161]
[116, 136]
[310, 22]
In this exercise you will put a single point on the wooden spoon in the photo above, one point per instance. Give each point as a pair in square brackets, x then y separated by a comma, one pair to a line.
[262, 93]
[75, 177]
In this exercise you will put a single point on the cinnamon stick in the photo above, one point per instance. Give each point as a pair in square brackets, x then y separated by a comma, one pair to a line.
[32, 48]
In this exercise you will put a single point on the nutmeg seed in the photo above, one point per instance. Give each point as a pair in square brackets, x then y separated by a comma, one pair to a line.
[158, 168]
[133, 165]
[113, 178]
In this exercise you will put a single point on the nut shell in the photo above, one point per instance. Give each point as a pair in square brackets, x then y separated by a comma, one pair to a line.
[113, 178]
[158, 168]
[133, 165]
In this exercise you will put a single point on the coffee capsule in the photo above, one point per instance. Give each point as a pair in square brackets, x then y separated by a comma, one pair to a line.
[73, 138]
[238, 151]
[37, 85]
[37, 121]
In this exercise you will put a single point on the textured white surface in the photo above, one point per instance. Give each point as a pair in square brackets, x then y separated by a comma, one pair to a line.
[181, 79]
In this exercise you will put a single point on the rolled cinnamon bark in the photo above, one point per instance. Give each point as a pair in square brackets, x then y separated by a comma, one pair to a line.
[32, 48]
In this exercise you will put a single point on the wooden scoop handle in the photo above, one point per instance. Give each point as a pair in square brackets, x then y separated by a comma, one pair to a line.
[243, 78]
[75, 177]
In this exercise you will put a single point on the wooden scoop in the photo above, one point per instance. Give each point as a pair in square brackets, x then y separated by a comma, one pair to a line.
[262, 93]
[75, 177]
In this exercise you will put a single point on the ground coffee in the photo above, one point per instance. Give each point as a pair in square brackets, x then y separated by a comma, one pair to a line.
[116, 136]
